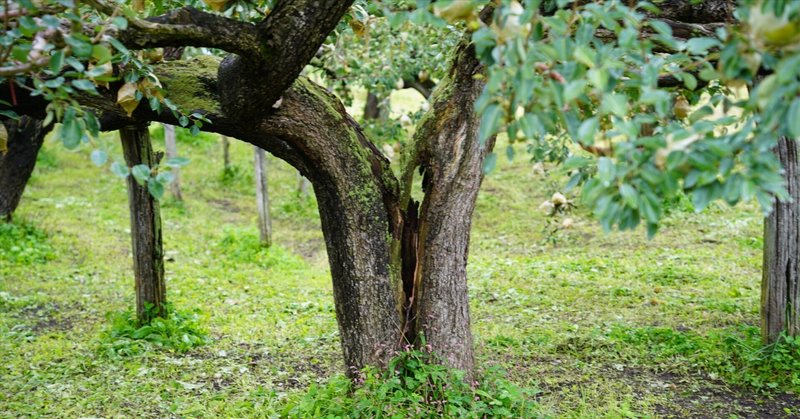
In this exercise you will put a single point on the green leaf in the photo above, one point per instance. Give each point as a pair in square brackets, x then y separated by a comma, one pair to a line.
[155, 188]
[177, 162]
[141, 172]
[490, 120]
[120, 170]
[616, 104]
[57, 61]
[629, 195]
[101, 54]
[84, 84]
[80, 47]
[587, 130]
[165, 177]
[99, 157]
[700, 46]
[489, 163]
[71, 133]
[605, 170]
[793, 119]
[689, 80]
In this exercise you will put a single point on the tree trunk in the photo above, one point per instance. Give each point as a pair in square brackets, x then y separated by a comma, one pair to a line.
[372, 108]
[226, 154]
[780, 286]
[17, 160]
[148, 255]
[451, 158]
[172, 152]
[262, 198]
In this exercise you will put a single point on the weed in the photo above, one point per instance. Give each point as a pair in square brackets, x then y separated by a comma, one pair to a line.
[414, 385]
[179, 332]
[22, 243]
[738, 356]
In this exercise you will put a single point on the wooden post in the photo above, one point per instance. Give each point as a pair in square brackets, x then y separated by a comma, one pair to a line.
[148, 254]
[262, 197]
[172, 152]
[226, 154]
[302, 185]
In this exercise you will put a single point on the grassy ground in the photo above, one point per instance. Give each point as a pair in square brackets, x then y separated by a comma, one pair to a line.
[603, 325]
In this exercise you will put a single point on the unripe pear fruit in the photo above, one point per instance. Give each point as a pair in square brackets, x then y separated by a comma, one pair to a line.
[772, 30]
[217, 5]
[423, 76]
[682, 107]
[456, 11]
[548, 208]
[559, 199]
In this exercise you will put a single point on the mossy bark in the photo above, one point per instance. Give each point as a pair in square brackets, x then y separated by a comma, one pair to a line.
[146, 241]
[17, 160]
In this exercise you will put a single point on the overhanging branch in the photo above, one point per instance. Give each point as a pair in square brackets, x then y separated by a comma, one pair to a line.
[187, 26]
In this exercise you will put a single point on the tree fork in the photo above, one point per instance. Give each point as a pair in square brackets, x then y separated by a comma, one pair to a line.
[146, 241]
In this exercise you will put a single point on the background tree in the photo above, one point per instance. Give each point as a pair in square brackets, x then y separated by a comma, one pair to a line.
[20, 141]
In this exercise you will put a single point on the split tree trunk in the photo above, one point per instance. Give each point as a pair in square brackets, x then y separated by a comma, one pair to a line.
[148, 254]
[262, 197]
[171, 145]
[451, 158]
[17, 160]
[780, 286]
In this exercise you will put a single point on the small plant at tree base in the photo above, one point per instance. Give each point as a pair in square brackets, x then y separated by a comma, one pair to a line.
[180, 332]
[22, 243]
[414, 386]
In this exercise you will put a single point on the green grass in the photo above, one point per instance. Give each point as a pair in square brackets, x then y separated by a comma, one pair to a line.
[602, 325]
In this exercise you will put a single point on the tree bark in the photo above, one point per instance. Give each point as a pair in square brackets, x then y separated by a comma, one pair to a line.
[17, 160]
[262, 197]
[372, 109]
[148, 254]
[780, 286]
[451, 160]
[172, 151]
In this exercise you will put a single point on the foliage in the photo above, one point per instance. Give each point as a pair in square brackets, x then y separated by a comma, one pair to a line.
[179, 332]
[22, 243]
[414, 386]
[555, 79]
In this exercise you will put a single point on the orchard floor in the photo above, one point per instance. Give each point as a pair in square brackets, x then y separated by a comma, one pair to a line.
[603, 325]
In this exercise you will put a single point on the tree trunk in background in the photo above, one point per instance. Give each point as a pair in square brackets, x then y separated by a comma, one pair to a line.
[226, 154]
[148, 254]
[302, 185]
[17, 160]
[372, 108]
[780, 286]
[262, 197]
[172, 152]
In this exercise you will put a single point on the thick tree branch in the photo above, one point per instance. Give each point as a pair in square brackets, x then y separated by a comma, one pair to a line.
[187, 26]
[291, 35]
